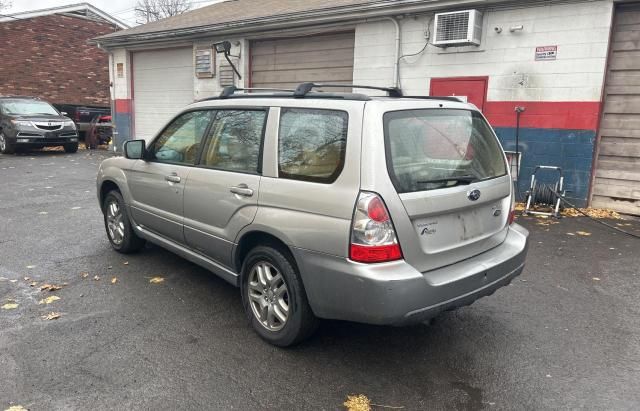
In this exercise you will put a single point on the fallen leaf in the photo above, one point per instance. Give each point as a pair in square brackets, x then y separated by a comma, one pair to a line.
[357, 403]
[49, 299]
[16, 408]
[109, 267]
[51, 316]
[96, 278]
[31, 266]
[33, 284]
[49, 287]
[571, 234]
[126, 263]
[114, 280]
[596, 279]
[13, 281]
[156, 280]
[583, 233]
[84, 274]
[27, 278]
[9, 306]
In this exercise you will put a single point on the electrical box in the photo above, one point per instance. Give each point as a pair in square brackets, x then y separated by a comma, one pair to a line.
[458, 28]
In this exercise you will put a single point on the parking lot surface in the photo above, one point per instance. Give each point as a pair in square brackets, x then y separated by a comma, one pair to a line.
[566, 334]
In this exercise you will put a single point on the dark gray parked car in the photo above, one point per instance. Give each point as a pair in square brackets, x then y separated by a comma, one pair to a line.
[27, 122]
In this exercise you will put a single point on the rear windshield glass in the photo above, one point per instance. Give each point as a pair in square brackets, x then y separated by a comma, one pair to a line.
[28, 107]
[429, 149]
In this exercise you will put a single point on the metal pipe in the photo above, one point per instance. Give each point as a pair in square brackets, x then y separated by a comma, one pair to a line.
[396, 62]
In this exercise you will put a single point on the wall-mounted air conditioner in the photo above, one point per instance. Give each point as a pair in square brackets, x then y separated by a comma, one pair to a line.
[458, 28]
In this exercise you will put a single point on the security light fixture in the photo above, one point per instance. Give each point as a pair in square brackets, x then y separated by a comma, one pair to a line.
[224, 47]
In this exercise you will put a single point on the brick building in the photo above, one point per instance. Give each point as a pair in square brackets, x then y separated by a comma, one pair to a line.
[45, 53]
[573, 65]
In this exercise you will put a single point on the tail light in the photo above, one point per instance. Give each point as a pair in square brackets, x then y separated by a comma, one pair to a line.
[373, 238]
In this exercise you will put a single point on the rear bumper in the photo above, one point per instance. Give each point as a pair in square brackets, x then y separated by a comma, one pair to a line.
[397, 294]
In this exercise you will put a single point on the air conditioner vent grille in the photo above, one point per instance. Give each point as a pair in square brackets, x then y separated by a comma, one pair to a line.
[453, 26]
[458, 28]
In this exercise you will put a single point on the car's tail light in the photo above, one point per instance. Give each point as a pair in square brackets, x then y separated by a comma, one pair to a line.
[373, 238]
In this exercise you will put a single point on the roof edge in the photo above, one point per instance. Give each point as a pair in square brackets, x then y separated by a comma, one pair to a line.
[357, 11]
[24, 15]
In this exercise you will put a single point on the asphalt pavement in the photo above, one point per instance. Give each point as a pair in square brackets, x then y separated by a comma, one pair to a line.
[564, 335]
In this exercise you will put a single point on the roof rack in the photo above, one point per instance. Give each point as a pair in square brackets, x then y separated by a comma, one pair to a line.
[305, 88]
[230, 90]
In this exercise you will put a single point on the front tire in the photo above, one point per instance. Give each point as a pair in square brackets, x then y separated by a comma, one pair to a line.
[5, 146]
[274, 298]
[118, 226]
[71, 148]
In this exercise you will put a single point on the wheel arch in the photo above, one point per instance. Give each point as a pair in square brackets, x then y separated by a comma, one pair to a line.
[107, 186]
[250, 239]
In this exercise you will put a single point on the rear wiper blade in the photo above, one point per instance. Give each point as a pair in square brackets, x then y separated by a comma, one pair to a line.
[458, 179]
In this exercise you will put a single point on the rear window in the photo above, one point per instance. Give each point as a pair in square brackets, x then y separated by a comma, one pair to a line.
[429, 149]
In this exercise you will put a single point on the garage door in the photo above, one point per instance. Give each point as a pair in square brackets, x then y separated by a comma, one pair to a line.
[285, 63]
[617, 180]
[162, 85]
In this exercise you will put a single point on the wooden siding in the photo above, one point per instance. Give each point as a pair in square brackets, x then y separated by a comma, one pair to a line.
[285, 63]
[617, 175]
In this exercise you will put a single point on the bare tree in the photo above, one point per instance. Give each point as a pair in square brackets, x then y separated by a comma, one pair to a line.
[152, 10]
[5, 4]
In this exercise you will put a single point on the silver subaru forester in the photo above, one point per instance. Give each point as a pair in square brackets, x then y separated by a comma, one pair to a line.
[382, 210]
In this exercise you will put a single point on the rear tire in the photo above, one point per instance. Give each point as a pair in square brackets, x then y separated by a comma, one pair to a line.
[71, 148]
[5, 146]
[274, 298]
[118, 226]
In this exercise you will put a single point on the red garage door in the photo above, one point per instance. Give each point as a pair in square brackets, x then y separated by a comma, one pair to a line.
[474, 89]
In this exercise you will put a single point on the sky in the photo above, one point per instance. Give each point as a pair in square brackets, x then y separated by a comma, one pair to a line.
[121, 9]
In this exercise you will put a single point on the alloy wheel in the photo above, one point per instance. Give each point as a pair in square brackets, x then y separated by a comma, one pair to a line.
[268, 296]
[115, 222]
[3, 143]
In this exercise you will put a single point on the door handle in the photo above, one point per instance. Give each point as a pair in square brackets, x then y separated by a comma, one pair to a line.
[242, 190]
[172, 178]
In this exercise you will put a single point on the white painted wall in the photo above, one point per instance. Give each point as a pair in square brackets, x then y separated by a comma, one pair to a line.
[207, 87]
[581, 32]
[121, 85]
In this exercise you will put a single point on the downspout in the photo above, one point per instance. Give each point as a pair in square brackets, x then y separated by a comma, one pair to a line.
[396, 61]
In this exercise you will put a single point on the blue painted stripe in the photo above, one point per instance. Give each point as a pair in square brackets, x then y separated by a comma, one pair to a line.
[570, 149]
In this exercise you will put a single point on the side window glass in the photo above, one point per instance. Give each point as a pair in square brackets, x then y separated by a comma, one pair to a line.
[234, 140]
[179, 143]
[312, 144]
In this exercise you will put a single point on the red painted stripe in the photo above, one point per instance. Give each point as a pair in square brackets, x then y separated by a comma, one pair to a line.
[567, 115]
[123, 106]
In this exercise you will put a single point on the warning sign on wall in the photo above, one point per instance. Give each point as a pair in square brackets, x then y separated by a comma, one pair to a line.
[546, 53]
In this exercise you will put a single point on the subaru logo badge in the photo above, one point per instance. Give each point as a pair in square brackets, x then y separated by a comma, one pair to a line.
[473, 195]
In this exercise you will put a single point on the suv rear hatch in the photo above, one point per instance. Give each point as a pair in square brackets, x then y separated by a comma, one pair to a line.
[450, 174]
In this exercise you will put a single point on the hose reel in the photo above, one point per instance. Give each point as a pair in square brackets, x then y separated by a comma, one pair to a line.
[545, 195]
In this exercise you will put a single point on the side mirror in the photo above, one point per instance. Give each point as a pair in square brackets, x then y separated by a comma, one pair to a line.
[134, 149]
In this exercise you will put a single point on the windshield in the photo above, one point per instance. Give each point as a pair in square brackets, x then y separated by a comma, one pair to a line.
[28, 107]
[429, 149]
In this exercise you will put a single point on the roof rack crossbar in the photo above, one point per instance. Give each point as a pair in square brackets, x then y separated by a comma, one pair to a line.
[305, 88]
[230, 90]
